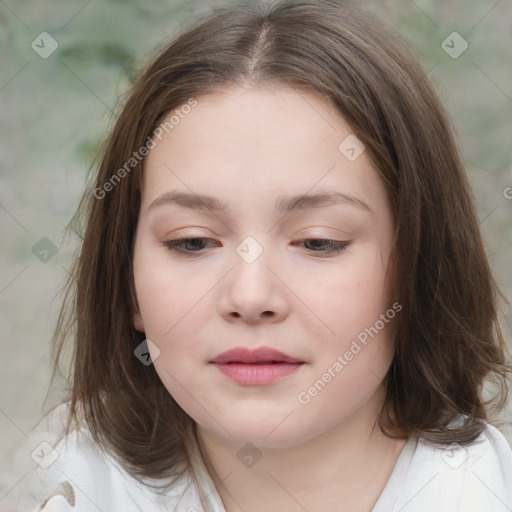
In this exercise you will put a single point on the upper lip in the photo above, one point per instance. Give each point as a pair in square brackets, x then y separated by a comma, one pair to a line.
[259, 355]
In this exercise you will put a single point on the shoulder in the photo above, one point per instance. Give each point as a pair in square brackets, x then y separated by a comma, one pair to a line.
[476, 477]
[76, 475]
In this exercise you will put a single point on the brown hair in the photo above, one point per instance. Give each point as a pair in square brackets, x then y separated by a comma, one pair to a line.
[448, 338]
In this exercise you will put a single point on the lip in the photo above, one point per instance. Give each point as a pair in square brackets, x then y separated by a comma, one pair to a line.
[255, 367]
[259, 355]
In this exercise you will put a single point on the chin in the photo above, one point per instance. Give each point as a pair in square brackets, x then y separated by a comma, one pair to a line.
[264, 434]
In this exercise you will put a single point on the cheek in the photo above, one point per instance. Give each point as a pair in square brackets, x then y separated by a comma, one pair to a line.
[175, 307]
[165, 294]
[172, 305]
[346, 299]
[350, 303]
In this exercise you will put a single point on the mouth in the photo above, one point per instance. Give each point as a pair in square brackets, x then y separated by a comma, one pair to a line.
[257, 367]
[262, 355]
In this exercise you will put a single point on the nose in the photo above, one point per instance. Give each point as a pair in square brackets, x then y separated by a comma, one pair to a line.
[254, 291]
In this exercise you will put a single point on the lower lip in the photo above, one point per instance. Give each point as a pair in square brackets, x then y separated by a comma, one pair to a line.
[257, 374]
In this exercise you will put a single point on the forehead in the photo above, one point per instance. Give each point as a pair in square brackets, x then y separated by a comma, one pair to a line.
[247, 144]
[246, 120]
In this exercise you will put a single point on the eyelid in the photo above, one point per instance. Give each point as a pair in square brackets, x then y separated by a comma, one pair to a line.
[336, 246]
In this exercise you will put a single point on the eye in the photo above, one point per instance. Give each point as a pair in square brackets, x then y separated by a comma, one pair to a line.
[179, 245]
[325, 246]
[189, 246]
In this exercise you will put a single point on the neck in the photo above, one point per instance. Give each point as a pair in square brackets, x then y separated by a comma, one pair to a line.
[345, 468]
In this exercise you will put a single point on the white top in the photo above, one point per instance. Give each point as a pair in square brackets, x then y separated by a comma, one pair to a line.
[78, 477]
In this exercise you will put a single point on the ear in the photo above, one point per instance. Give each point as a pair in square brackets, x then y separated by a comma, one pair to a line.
[138, 323]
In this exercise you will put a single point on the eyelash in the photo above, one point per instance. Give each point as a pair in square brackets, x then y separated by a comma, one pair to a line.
[174, 245]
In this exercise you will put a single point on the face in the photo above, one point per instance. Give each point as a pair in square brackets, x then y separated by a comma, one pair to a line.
[251, 267]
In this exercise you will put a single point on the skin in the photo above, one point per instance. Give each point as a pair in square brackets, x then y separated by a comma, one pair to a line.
[248, 146]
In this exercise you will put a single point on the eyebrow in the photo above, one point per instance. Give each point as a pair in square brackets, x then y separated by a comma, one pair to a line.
[284, 204]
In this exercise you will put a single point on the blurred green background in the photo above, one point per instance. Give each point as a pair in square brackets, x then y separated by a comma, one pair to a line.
[56, 111]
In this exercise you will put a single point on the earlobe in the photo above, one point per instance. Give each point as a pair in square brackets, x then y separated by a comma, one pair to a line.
[138, 323]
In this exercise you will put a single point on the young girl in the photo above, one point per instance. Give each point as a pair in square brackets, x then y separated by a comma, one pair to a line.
[282, 298]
